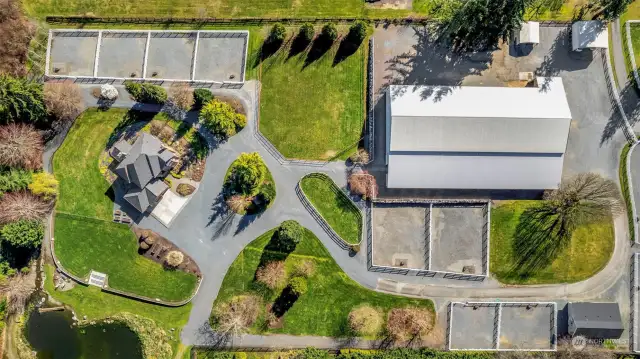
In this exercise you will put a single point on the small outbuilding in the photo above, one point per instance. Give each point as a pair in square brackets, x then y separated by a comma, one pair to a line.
[529, 33]
[595, 320]
[589, 35]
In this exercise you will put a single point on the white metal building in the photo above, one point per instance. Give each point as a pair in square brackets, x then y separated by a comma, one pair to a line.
[477, 137]
[589, 35]
[529, 33]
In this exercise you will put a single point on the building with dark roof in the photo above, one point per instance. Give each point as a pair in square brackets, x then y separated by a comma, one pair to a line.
[141, 167]
[595, 320]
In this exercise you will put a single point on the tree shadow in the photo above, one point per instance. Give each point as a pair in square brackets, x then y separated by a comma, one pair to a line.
[273, 252]
[348, 46]
[561, 57]
[123, 129]
[245, 221]
[299, 45]
[221, 218]
[268, 49]
[537, 241]
[320, 45]
[284, 302]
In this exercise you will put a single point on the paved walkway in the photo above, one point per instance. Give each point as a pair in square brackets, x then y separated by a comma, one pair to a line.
[214, 238]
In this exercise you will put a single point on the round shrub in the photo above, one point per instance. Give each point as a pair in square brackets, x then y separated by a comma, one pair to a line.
[45, 185]
[298, 285]
[278, 33]
[108, 92]
[248, 173]
[23, 233]
[238, 203]
[219, 117]
[273, 274]
[185, 189]
[329, 32]
[144, 246]
[358, 31]
[240, 121]
[268, 192]
[201, 97]
[307, 32]
[365, 321]
[304, 268]
[133, 88]
[146, 93]
[174, 258]
[288, 235]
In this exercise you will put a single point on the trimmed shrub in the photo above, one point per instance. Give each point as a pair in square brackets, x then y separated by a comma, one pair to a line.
[248, 173]
[20, 100]
[174, 258]
[409, 323]
[108, 92]
[236, 316]
[44, 185]
[366, 321]
[304, 268]
[144, 246]
[329, 32]
[14, 179]
[63, 100]
[201, 97]
[268, 192]
[363, 184]
[23, 233]
[146, 93]
[20, 146]
[298, 285]
[22, 205]
[357, 32]
[185, 189]
[312, 353]
[278, 33]
[181, 95]
[307, 32]
[361, 156]
[288, 235]
[238, 203]
[240, 121]
[220, 118]
[273, 274]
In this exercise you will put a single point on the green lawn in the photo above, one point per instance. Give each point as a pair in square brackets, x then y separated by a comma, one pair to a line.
[96, 305]
[632, 13]
[589, 251]
[323, 310]
[335, 207]
[313, 111]
[83, 244]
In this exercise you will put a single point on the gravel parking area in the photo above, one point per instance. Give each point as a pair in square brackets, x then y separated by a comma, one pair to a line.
[472, 327]
[73, 54]
[399, 236]
[526, 328]
[122, 54]
[221, 59]
[170, 57]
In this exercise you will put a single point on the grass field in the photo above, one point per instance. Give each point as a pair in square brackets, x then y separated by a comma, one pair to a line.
[313, 110]
[323, 310]
[96, 305]
[83, 244]
[334, 207]
[632, 13]
[589, 251]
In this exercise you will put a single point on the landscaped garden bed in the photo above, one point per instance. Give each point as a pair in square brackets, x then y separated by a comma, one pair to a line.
[85, 237]
[589, 250]
[248, 185]
[161, 250]
[334, 206]
[297, 288]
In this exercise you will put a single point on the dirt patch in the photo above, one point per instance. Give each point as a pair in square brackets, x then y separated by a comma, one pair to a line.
[15, 34]
[329, 154]
[157, 248]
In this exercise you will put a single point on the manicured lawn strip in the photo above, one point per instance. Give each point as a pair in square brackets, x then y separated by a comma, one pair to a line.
[313, 111]
[624, 184]
[590, 249]
[323, 310]
[96, 305]
[83, 245]
[83, 190]
[334, 207]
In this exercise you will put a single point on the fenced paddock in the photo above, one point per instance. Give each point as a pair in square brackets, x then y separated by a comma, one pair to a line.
[429, 238]
[502, 326]
[206, 57]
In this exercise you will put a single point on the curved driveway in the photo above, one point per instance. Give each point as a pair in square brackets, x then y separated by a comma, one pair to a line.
[214, 238]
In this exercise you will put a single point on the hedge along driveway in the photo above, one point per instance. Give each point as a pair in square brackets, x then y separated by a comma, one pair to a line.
[85, 237]
[334, 206]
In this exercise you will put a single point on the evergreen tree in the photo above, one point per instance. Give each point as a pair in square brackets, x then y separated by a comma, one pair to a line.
[20, 100]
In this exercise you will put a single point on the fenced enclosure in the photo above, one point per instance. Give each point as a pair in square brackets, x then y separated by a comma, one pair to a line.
[502, 326]
[412, 237]
[204, 58]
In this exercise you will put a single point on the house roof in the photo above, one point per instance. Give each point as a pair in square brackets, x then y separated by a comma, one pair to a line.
[596, 315]
[589, 34]
[141, 199]
[529, 33]
[144, 161]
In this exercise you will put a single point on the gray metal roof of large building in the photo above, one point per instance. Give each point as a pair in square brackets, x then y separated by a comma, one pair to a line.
[596, 315]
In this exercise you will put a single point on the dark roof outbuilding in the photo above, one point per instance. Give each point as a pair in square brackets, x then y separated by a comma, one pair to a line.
[595, 320]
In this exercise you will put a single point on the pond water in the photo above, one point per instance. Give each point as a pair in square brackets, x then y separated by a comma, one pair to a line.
[53, 337]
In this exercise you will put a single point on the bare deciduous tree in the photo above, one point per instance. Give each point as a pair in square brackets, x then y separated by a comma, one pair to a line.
[236, 316]
[21, 286]
[363, 184]
[15, 206]
[63, 100]
[366, 320]
[409, 323]
[181, 95]
[237, 203]
[273, 274]
[15, 34]
[20, 146]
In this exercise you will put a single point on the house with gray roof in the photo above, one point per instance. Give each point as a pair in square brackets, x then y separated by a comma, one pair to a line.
[141, 167]
[595, 320]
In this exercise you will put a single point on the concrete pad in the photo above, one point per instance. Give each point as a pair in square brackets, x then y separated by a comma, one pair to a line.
[472, 328]
[170, 56]
[399, 235]
[73, 54]
[522, 328]
[121, 54]
[456, 238]
[168, 208]
[220, 58]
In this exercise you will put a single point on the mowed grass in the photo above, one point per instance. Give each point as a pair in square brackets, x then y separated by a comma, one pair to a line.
[97, 305]
[85, 237]
[632, 13]
[589, 251]
[324, 309]
[334, 207]
[313, 110]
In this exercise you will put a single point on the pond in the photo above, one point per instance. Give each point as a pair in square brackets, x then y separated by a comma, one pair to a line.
[53, 337]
